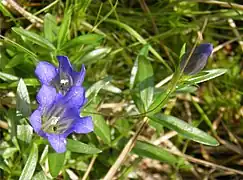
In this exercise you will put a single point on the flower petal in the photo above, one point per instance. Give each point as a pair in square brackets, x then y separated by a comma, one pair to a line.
[35, 121]
[83, 125]
[64, 65]
[75, 97]
[58, 142]
[46, 95]
[78, 77]
[45, 72]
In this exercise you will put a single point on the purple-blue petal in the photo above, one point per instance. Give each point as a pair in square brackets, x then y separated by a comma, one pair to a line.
[64, 65]
[198, 59]
[83, 125]
[45, 72]
[58, 142]
[35, 121]
[46, 95]
[78, 77]
[75, 97]
[205, 48]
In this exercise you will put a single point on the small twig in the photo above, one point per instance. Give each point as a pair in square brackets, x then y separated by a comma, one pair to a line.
[236, 32]
[33, 19]
[47, 7]
[89, 168]
[217, 48]
[221, 3]
[112, 171]
[206, 163]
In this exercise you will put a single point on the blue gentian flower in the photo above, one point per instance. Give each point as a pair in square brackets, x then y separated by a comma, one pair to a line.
[198, 59]
[63, 77]
[58, 113]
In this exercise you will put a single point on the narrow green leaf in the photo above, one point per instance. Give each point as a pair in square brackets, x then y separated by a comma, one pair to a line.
[50, 27]
[111, 88]
[96, 87]
[20, 48]
[133, 74]
[145, 149]
[202, 77]
[83, 39]
[22, 100]
[94, 56]
[34, 38]
[16, 60]
[30, 165]
[141, 39]
[64, 29]
[138, 102]
[55, 162]
[101, 129]
[145, 78]
[24, 133]
[183, 50]
[6, 12]
[3, 165]
[9, 152]
[79, 147]
[123, 126]
[8, 77]
[184, 129]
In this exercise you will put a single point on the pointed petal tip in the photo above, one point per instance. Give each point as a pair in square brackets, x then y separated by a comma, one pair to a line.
[206, 48]
[84, 125]
[58, 143]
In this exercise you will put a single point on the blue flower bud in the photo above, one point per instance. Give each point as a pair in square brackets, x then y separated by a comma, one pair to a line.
[198, 59]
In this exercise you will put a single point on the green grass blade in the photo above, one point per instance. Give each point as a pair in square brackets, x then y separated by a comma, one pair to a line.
[140, 39]
[64, 29]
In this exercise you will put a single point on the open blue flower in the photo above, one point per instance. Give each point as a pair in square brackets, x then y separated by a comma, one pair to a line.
[198, 59]
[63, 77]
[57, 116]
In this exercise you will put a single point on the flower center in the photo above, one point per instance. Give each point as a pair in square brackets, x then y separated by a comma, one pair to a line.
[54, 120]
[62, 82]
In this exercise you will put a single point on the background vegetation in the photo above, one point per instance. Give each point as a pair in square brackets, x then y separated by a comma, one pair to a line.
[108, 36]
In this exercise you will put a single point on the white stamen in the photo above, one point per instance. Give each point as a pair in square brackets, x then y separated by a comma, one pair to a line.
[64, 81]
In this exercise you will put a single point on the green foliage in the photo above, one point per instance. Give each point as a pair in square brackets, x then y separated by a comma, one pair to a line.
[127, 47]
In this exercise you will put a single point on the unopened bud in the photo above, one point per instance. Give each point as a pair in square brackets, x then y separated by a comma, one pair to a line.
[198, 59]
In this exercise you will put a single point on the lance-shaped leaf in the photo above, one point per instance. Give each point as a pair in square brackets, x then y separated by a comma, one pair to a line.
[144, 78]
[30, 165]
[23, 101]
[184, 129]
[34, 38]
[145, 149]
[79, 147]
[84, 39]
[55, 161]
